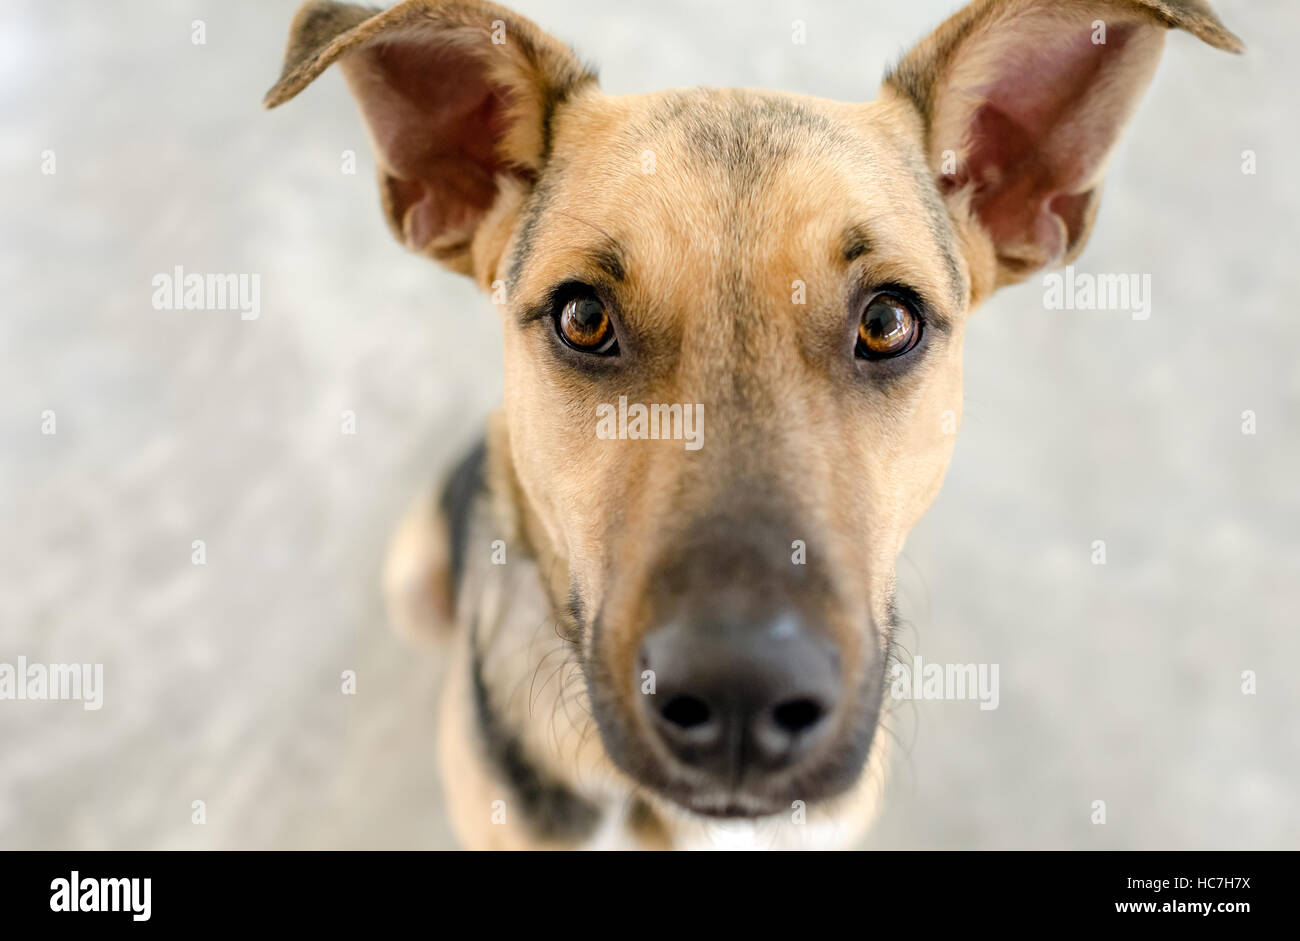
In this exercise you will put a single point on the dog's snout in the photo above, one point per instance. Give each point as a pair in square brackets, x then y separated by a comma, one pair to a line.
[738, 700]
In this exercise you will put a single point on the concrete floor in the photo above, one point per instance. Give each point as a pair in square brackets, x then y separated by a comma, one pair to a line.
[1118, 682]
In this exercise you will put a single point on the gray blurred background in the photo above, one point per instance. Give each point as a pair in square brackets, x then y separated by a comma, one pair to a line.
[1119, 682]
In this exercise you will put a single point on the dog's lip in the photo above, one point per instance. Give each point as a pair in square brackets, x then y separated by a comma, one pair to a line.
[715, 803]
[711, 800]
[740, 800]
[732, 809]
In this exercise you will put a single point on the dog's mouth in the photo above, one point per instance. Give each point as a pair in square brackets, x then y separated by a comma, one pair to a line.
[724, 805]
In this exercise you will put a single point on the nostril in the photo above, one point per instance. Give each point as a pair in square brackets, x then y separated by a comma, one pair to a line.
[738, 696]
[796, 715]
[687, 712]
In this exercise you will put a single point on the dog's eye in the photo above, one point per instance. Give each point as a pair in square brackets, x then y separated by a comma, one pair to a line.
[889, 327]
[583, 323]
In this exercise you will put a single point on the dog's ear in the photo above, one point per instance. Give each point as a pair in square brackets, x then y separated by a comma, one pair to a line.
[1022, 102]
[458, 96]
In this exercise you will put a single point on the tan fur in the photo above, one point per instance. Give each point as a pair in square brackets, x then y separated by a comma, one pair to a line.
[750, 193]
[534, 66]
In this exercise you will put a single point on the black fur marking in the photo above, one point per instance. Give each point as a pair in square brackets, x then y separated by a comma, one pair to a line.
[856, 242]
[538, 202]
[551, 811]
[939, 222]
[609, 258]
[576, 610]
[553, 98]
[457, 502]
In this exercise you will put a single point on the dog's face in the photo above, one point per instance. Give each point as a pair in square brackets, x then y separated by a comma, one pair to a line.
[780, 271]
[733, 330]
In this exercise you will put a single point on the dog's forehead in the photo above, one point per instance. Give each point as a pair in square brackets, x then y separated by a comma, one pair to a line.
[748, 135]
[701, 187]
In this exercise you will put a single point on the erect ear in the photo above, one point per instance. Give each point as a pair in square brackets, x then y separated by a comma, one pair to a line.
[457, 96]
[1022, 102]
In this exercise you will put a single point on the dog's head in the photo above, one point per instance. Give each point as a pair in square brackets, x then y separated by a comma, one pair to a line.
[733, 335]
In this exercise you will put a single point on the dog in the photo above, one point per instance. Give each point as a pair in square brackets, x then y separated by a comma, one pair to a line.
[671, 619]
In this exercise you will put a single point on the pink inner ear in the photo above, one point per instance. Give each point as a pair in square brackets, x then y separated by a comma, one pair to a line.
[1039, 138]
[436, 122]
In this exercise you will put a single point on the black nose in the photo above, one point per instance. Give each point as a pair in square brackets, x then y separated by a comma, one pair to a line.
[740, 699]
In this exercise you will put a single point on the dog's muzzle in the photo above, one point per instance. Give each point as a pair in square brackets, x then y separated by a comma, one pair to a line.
[742, 699]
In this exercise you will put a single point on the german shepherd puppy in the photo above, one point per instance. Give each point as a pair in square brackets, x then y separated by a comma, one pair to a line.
[733, 334]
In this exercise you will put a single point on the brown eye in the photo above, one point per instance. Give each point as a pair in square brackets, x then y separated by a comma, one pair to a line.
[584, 325]
[888, 328]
